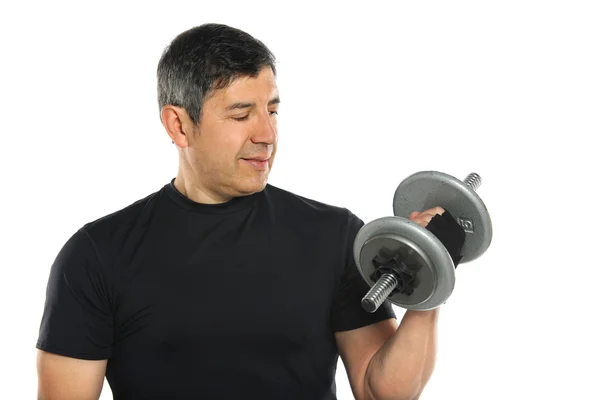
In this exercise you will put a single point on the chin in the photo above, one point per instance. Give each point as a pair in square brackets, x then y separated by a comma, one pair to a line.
[251, 185]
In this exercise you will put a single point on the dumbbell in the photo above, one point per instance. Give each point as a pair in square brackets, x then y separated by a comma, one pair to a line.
[407, 264]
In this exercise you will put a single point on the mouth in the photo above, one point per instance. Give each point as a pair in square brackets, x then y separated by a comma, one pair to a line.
[258, 163]
[256, 159]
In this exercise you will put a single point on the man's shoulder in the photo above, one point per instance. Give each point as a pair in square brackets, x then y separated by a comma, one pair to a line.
[122, 219]
[296, 202]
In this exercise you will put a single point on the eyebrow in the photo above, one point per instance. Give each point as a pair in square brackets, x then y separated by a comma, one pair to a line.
[239, 105]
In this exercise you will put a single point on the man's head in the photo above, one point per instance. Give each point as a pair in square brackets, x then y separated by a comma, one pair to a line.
[218, 100]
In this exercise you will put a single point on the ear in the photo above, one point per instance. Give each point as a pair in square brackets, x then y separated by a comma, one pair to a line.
[178, 124]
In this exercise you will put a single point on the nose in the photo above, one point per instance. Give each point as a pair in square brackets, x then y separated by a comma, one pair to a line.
[266, 129]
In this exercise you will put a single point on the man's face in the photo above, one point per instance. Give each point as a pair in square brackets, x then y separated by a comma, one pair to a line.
[235, 145]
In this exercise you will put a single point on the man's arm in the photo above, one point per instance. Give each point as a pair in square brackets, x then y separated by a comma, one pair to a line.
[403, 365]
[387, 361]
[67, 378]
[76, 331]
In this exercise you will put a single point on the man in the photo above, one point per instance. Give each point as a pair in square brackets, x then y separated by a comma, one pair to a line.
[219, 285]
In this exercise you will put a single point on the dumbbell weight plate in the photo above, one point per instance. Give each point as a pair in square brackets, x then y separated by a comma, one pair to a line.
[428, 189]
[418, 248]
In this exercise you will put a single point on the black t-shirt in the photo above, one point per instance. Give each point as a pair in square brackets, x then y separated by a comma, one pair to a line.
[195, 301]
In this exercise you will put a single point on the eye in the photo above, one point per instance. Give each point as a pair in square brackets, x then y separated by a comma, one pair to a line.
[245, 117]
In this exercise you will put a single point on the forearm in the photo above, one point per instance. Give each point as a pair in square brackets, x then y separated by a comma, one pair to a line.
[403, 365]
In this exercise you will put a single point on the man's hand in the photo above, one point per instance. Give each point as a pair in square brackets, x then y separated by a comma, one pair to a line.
[423, 218]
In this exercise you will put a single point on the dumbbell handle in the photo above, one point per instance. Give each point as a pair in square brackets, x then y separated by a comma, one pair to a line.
[388, 281]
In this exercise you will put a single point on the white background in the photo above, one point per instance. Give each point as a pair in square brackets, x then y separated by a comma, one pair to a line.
[370, 93]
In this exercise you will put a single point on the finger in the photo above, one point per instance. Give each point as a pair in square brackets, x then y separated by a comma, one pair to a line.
[432, 211]
[435, 210]
[422, 222]
[424, 219]
[413, 215]
[428, 215]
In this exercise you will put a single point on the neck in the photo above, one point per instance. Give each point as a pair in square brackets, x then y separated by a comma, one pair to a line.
[198, 192]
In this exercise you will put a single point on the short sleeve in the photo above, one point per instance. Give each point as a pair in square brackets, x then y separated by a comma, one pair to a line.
[77, 321]
[347, 312]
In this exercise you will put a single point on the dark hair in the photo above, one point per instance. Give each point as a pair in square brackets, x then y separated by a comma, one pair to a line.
[207, 58]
